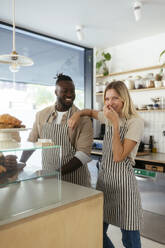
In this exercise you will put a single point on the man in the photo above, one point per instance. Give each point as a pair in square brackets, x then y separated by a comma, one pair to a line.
[51, 123]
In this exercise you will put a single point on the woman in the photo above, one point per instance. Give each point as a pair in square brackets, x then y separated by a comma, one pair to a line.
[124, 128]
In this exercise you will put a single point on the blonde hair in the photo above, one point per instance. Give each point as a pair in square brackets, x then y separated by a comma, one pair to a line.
[128, 110]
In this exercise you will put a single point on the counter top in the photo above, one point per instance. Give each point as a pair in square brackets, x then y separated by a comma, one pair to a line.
[27, 198]
[152, 157]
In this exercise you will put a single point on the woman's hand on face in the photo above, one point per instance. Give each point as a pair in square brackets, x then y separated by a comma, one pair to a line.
[73, 120]
[111, 114]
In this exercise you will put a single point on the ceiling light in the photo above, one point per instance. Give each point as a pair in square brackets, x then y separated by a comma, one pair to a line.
[137, 9]
[14, 59]
[79, 32]
[14, 67]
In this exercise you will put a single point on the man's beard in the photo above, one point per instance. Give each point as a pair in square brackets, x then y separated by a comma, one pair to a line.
[63, 105]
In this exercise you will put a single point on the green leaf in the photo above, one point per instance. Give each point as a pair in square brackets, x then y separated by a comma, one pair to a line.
[107, 56]
[99, 64]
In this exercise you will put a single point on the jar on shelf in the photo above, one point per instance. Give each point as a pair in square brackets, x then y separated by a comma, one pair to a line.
[99, 87]
[99, 105]
[139, 82]
[130, 84]
[150, 106]
[105, 83]
[150, 83]
[158, 80]
[158, 84]
[146, 148]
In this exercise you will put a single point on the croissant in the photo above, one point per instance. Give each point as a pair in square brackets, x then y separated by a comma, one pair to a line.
[2, 169]
[9, 121]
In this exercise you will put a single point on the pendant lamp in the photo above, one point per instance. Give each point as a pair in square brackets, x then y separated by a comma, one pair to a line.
[14, 59]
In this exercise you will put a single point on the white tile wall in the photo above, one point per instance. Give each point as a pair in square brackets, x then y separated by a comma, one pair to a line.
[154, 123]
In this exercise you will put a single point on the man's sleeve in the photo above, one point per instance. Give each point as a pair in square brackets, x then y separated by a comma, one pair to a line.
[101, 117]
[84, 140]
[34, 134]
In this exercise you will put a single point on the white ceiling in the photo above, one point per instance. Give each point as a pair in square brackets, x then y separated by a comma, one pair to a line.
[106, 22]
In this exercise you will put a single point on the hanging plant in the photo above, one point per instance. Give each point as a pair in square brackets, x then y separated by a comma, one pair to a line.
[163, 64]
[101, 64]
[161, 54]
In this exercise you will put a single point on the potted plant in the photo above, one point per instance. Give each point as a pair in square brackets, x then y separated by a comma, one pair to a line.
[101, 64]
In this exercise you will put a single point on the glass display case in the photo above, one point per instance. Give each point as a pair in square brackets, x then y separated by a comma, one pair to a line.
[30, 185]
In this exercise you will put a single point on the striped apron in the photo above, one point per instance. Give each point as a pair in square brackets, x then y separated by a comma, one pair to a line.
[122, 203]
[58, 133]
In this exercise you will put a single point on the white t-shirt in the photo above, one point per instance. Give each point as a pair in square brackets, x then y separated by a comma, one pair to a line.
[59, 117]
[135, 127]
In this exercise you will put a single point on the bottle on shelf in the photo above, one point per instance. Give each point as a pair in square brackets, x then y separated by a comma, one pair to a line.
[154, 149]
[151, 143]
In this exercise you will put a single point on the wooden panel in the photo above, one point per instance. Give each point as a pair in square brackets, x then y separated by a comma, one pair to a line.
[142, 153]
[77, 226]
[154, 167]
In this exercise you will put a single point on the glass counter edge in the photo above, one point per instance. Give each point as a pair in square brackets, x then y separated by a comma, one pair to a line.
[29, 146]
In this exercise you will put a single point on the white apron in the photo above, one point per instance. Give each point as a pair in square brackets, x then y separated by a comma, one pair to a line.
[122, 203]
[58, 133]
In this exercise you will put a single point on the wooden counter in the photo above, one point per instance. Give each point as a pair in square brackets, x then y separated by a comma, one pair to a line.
[73, 221]
[157, 159]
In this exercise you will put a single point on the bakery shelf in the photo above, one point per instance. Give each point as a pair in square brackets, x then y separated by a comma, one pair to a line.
[136, 90]
[147, 89]
[131, 71]
[150, 110]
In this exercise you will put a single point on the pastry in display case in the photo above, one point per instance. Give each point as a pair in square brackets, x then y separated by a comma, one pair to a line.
[10, 127]
[9, 121]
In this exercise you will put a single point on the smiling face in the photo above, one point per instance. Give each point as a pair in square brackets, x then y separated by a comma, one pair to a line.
[65, 92]
[112, 99]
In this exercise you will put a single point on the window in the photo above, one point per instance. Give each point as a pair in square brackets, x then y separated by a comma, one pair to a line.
[32, 88]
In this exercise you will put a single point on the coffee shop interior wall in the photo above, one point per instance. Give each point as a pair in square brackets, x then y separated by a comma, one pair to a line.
[138, 54]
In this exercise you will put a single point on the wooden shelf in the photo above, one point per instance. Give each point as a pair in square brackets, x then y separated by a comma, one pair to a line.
[147, 89]
[99, 94]
[137, 90]
[150, 110]
[132, 71]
